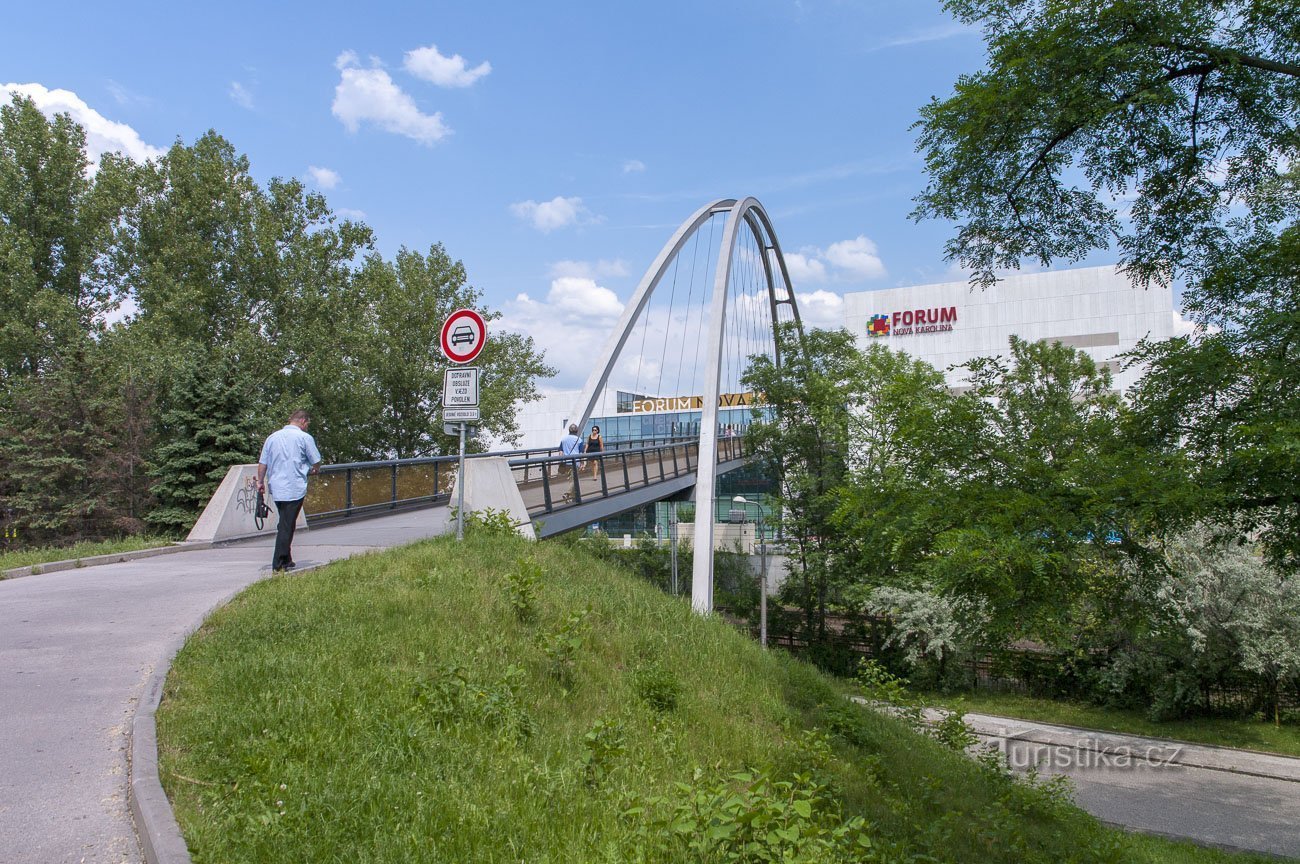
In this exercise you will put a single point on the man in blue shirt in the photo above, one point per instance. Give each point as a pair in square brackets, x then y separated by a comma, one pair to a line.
[570, 445]
[288, 456]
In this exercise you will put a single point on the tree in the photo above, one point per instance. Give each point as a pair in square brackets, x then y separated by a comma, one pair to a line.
[1170, 128]
[1215, 611]
[61, 410]
[1182, 112]
[59, 225]
[1230, 398]
[207, 427]
[64, 472]
[404, 304]
[805, 443]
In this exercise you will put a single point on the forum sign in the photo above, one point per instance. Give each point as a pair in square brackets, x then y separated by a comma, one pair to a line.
[691, 403]
[911, 321]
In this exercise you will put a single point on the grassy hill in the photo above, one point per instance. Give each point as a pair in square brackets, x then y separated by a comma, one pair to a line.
[501, 701]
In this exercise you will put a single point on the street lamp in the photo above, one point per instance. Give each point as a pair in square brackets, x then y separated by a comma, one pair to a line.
[762, 570]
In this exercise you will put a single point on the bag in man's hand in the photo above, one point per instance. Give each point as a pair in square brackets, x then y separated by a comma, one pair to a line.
[262, 511]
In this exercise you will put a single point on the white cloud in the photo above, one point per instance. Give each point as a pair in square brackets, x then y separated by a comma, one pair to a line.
[633, 166]
[428, 64]
[821, 308]
[124, 96]
[584, 297]
[102, 135]
[857, 258]
[930, 34]
[369, 95]
[349, 213]
[843, 261]
[240, 96]
[323, 178]
[589, 269]
[547, 216]
[804, 269]
[570, 325]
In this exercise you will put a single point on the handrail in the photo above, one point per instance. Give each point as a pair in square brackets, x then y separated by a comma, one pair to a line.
[349, 489]
[619, 471]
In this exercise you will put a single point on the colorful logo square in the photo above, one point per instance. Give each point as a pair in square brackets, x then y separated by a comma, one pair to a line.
[878, 325]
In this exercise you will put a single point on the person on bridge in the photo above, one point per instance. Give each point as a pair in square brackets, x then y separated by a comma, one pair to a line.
[595, 445]
[571, 445]
[288, 456]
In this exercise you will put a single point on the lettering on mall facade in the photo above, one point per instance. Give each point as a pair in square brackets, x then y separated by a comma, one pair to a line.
[910, 321]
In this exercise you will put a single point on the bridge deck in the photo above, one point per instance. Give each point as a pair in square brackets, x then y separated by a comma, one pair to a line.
[563, 493]
[560, 493]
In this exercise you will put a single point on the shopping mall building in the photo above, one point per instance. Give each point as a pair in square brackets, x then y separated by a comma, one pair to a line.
[1095, 309]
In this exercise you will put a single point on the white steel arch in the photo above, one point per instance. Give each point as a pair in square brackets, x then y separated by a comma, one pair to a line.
[749, 213]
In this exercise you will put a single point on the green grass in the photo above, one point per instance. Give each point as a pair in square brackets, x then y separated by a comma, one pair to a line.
[1224, 732]
[424, 706]
[46, 554]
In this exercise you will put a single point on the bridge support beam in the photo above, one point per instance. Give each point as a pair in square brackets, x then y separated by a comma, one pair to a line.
[707, 472]
[748, 212]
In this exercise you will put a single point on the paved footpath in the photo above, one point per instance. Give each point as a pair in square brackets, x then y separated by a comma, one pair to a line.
[1218, 796]
[76, 650]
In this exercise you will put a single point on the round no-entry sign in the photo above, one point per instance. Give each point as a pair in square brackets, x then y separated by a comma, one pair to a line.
[463, 336]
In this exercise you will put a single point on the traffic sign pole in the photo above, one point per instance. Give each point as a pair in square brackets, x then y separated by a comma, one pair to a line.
[464, 334]
[460, 488]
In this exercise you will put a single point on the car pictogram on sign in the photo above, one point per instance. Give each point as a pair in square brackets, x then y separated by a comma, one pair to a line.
[463, 336]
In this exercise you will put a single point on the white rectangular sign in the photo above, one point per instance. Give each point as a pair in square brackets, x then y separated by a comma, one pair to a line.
[460, 388]
[460, 414]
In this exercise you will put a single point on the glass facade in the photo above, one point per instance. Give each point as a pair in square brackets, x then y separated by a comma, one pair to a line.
[631, 427]
[750, 481]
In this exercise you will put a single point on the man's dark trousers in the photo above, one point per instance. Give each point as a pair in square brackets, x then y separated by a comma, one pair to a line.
[288, 510]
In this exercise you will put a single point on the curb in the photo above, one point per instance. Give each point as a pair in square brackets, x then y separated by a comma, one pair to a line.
[94, 560]
[1181, 753]
[121, 557]
[155, 822]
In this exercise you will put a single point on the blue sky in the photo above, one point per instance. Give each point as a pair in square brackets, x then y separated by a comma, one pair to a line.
[553, 147]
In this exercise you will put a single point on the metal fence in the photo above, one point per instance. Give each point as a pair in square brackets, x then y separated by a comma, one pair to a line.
[553, 481]
[360, 488]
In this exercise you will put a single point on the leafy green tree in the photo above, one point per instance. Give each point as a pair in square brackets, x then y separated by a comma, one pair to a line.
[1168, 127]
[308, 318]
[1230, 398]
[1161, 125]
[208, 426]
[1020, 496]
[1215, 611]
[59, 226]
[404, 304]
[64, 469]
[805, 443]
[61, 411]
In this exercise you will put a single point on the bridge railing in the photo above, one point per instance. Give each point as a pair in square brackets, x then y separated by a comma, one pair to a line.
[358, 488]
[612, 471]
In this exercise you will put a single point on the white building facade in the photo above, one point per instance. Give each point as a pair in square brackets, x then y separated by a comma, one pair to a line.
[1095, 309]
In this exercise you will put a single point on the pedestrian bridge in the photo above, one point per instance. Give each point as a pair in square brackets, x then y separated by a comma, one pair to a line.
[717, 296]
[551, 492]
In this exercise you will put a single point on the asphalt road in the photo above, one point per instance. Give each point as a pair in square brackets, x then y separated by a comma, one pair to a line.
[76, 648]
[1217, 796]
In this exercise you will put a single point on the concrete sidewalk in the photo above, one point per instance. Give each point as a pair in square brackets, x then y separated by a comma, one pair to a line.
[76, 650]
[1218, 796]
